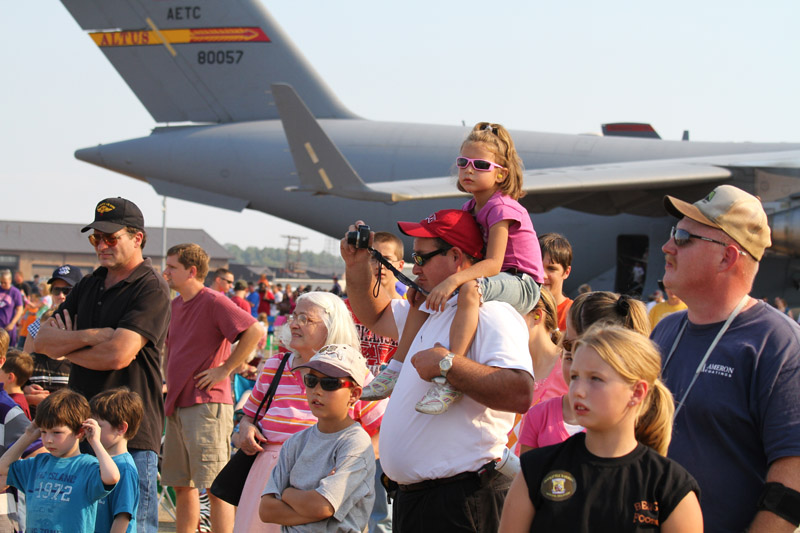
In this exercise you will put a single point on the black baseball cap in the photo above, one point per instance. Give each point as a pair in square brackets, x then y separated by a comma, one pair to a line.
[113, 214]
[70, 274]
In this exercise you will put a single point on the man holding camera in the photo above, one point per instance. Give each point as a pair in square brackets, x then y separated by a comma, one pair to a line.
[438, 461]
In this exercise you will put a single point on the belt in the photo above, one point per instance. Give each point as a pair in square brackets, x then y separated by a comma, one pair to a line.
[484, 475]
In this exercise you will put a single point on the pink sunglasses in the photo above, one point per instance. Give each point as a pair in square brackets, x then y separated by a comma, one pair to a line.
[478, 164]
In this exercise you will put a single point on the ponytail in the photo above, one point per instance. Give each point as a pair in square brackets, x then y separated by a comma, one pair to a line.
[636, 358]
[605, 307]
[654, 425]
[500, 142]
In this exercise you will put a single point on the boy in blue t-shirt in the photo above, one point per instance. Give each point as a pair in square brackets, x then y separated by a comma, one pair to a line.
[119, 413]
[61, 487]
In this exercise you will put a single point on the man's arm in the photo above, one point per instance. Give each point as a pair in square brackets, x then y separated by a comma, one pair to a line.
[14, 319]
[786, 471]
[114, 354]
[504, 389]
[374, 312]
[57, 338]
[248, 340]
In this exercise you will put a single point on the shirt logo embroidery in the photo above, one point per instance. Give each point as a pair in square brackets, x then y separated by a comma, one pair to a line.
[646, 513]
[719, 370]
[558, 485]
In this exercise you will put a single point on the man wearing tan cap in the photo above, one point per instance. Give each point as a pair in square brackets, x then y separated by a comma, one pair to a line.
[733, 365]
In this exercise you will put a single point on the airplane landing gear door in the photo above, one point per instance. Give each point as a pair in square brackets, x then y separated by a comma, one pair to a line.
[631, 264]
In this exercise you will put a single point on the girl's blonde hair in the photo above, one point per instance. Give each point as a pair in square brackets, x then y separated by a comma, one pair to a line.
[547, 305]
[499, 141]
[603, 307]
[636, 358]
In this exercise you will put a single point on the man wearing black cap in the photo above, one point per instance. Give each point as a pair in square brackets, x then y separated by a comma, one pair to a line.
[49, 375]
[445, 467]
[112, 328]
[733, 365]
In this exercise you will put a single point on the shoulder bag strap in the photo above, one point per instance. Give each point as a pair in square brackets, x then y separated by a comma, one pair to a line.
[273, 386]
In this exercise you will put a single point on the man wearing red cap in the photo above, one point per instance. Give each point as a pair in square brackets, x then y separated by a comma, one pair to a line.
[449, 458]
[733, 365]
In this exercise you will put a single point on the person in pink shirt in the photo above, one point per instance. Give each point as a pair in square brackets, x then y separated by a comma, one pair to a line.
[319, 319]
[553, 421]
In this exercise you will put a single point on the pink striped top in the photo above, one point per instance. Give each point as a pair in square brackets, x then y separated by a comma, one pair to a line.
[289, 412]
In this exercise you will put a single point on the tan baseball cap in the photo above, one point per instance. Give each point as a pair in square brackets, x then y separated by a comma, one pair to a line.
[339, 361]
[734, 211]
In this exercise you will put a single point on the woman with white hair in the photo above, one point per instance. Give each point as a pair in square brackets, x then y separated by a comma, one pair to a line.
[319, 318]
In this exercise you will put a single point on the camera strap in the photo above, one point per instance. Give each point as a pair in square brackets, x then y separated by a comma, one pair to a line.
[402, 278]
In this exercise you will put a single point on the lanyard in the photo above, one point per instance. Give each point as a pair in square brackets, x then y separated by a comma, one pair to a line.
[702, 364]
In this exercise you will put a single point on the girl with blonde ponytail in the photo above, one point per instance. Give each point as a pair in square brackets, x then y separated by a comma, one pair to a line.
[614, 476]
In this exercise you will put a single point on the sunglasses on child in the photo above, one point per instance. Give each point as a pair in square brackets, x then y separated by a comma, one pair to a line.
[60, 290]
[327, 383]
[478, 164]
[421, 259]
[683, 237]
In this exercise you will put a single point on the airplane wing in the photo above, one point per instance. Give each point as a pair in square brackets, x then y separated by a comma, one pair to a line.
[633, 187]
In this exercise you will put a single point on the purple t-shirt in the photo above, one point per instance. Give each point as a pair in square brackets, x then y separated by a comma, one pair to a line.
[522, 251]
[9, 301]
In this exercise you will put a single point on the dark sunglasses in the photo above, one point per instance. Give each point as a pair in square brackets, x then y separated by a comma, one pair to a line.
[421, 259]
[682, 238]
[110, 240]
[478, 164]
[60, 290]
[327, 383]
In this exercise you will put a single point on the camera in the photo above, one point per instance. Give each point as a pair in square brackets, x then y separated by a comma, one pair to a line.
[360, 237]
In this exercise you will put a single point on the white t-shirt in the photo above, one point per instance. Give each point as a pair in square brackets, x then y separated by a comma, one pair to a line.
[415, 447]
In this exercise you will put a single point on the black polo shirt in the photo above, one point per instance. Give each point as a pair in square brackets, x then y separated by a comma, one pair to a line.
[139, 303]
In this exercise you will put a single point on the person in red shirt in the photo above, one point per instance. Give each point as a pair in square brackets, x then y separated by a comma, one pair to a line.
[557, 260]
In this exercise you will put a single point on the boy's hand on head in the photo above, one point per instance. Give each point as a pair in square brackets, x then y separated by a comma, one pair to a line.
[91, 430]
[32, 432]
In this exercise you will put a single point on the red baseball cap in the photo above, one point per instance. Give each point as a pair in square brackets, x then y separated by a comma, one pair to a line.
[454, 226]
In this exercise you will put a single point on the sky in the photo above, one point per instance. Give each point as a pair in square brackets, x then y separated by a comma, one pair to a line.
[724, 70]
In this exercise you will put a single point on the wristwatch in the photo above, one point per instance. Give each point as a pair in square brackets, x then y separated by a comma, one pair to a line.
[446, 364]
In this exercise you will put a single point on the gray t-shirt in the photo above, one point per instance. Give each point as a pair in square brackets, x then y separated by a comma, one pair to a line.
[306, 462]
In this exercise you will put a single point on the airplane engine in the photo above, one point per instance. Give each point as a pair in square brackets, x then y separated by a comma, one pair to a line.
[786, 231]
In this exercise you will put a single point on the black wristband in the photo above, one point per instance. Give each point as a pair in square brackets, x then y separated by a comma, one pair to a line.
[782, 501]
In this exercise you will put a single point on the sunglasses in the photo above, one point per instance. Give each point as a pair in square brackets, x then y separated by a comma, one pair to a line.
[421, 259]
[567, 345]
[327, 383]
[110, 240]
[60, 290]
[478, 164]
[228, 280]
[682, 238]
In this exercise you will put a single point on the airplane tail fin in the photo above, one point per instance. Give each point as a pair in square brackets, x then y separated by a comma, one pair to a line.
[204, 61]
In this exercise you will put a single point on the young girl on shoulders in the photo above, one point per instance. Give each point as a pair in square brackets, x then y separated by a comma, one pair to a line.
[614, 476]
[491, 170]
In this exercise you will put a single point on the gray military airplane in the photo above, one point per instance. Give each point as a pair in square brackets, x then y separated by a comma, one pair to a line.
[259, 129]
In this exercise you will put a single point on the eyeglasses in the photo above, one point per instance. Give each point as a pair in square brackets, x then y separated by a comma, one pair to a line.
[478, 164]
[682, 238]
[60, 290]
[110, 240]
[421, 259]
[327, 383]
[567, 345]
[301, 319]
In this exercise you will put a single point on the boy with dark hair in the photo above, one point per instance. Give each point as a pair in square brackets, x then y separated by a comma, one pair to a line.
[62, 487]
[15, 372]
[557, 261]
[323, 478]
[118, 413]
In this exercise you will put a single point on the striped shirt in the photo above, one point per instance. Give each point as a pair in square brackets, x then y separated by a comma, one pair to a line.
[289, 412]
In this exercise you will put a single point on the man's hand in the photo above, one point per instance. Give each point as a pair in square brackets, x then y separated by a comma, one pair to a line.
[210, 377]
[34, 393]
[65, 323]
[427, 361]
[350, 253]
